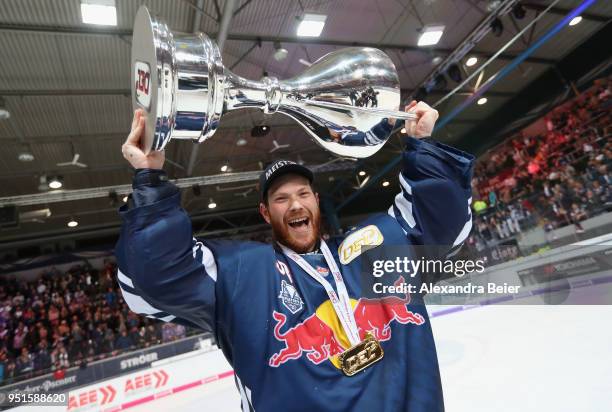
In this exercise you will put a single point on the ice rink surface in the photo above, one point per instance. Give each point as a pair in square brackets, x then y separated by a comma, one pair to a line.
[526, 358]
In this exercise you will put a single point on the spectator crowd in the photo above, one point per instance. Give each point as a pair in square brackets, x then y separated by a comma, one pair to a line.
[556, 178]
[70, 319]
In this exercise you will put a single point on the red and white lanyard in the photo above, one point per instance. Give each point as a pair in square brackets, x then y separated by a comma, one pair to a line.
[342, 303]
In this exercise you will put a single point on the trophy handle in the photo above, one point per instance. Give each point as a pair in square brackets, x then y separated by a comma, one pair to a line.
[396, 114]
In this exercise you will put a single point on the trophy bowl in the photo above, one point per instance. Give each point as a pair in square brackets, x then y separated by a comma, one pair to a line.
[346, 101]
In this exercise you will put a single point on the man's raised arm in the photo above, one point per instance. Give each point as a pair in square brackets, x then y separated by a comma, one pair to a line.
[164, 273]
[433, 207]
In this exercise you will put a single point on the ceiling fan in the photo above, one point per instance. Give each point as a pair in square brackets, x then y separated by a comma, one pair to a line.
[74, 162]
[278, 146]
[305, 62]
[245, 193]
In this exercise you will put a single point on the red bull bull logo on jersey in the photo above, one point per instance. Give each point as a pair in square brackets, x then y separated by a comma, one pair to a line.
[321, 337]
[312, 337]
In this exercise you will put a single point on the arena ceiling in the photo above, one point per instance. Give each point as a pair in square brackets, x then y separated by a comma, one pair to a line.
[66, 85]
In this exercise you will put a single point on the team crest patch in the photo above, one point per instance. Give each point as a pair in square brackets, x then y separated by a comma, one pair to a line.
[290, 297]
[323, 271]
[350, 248]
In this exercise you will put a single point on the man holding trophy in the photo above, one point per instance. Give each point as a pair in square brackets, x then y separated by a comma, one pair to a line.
[290, 317]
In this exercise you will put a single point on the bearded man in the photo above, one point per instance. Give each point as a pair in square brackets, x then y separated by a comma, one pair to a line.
[291, 317]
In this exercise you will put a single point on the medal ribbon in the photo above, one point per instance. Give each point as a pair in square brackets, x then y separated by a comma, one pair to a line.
[342, 304]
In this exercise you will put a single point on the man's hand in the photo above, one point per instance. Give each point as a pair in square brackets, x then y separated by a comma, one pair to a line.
[132, 148]
[426, 119]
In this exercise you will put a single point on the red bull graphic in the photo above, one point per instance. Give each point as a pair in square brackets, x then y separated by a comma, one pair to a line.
[322, 337]
[311, 336]
[376, 315]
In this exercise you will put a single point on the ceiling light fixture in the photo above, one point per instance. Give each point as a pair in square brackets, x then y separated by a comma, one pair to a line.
[72, 223]
[493, 4]
[482, 101]
[25, 156]
[280, 53]
[362, 173]
[56, 182]
[385, 183]
[471, 61]
[575, 20]
[100, 12]
[430, 35]
[224, 168]
[212, 204]
[260, 131]
[311, 25]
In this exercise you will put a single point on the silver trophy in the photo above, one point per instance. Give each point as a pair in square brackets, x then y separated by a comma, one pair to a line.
[347, 100]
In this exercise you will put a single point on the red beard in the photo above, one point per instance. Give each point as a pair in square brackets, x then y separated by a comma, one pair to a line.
[280, 233]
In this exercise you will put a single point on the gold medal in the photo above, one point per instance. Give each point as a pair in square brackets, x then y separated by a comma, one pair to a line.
[360, 356]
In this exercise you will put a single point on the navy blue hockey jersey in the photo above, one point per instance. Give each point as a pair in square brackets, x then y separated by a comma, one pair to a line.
[274, 323]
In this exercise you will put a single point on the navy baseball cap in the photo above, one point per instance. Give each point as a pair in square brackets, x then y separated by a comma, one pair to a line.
[277, 169]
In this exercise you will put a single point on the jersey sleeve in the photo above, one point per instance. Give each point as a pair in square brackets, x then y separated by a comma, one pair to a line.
[163, 271]
[433, 207]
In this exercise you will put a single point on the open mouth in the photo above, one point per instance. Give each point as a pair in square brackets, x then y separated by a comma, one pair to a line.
[299, 223]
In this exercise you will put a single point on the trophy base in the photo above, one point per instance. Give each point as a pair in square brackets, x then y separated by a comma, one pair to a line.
[178, 82]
